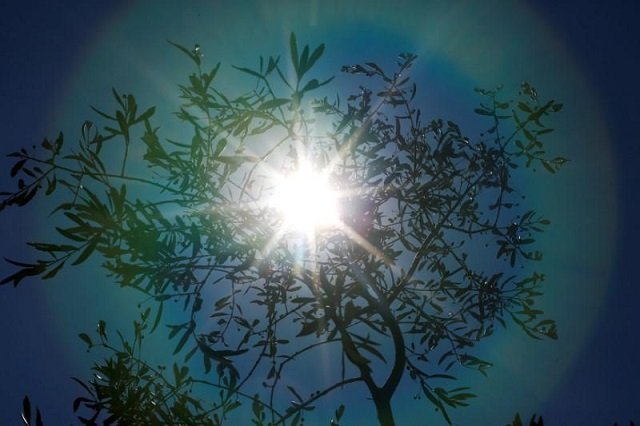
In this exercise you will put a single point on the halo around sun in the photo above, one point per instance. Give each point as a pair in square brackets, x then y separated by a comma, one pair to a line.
[457, 57]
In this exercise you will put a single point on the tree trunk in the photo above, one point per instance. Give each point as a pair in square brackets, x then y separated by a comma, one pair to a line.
[383, 409]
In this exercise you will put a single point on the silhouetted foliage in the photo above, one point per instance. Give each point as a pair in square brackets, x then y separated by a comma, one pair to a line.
[517, 421]
[26, 414]
[424, 266]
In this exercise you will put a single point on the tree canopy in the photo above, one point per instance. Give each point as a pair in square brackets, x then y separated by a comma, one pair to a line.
[423, 256]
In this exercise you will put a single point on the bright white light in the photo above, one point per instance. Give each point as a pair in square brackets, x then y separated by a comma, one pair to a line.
[306, 201]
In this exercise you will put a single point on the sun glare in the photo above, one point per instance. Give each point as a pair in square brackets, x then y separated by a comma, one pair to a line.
[306, 201]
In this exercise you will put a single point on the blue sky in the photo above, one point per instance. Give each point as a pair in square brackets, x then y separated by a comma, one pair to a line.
[57, 61]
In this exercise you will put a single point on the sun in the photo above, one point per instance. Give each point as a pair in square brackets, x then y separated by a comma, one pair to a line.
[307, 201]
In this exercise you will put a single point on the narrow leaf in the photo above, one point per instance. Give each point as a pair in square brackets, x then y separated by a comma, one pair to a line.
[273, 103]
[85, 337]
[185, 337]
[89, 248]
[294, 52]
[16, 167]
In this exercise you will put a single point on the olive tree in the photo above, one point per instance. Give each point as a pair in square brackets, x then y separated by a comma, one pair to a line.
[292, 223]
